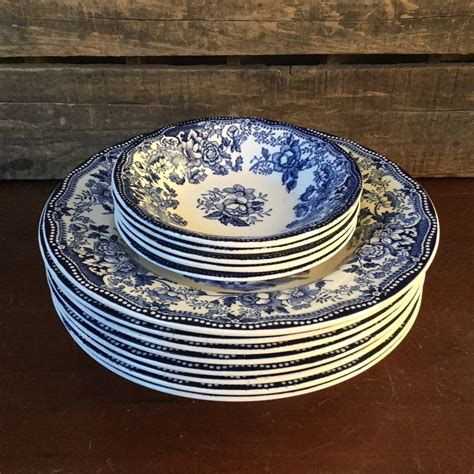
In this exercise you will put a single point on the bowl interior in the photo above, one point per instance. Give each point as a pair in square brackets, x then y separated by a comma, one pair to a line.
[238, 178]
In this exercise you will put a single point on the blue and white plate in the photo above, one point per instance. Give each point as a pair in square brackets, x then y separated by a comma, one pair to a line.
[110, 340]
[395, 241]
[308, 346]
[106, 315]
[242, 388]
[293, 388]
[235, 363]
[233, 181]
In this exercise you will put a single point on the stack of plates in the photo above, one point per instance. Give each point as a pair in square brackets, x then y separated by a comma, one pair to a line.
[236, 200]
[235, 340]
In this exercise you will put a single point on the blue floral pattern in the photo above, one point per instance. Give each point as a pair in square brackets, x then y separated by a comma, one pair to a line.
[237, 205]
[286, 161]
[149, 175]
[320, 196]
[331, 177]
[185, 156]
[394, 242]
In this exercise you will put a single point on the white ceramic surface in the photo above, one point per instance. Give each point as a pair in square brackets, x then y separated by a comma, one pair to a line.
[224, 257]
[347, 371]
[251, 179]
[186, 266]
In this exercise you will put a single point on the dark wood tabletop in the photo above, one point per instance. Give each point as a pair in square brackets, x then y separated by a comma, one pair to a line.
[61, 412]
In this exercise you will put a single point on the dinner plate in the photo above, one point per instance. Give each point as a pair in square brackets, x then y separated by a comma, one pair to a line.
[168, 364]
[234, 368]
[254, 369]
[149, 326]
[295, 387]
[237, 354]
[395, 241]
[241, 346]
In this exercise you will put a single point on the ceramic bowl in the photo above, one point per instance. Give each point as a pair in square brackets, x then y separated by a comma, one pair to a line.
[240, 272]
[255, 250]
[180, 248]
[236, 180]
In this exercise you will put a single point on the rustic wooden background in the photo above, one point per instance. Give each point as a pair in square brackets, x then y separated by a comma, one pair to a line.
[395, 75]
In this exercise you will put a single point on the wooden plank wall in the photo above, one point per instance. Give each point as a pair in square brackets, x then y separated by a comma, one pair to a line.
[395, 75]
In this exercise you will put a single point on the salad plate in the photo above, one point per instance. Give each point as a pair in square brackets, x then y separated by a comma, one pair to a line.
[395, 241]
[233, 181]
[264, 391]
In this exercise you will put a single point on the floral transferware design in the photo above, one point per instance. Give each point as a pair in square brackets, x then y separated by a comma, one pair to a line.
[236, 205]
[319, 197]
[330, 178]
[286, 161]
[151, 174]
[190, 156]
[394, 241]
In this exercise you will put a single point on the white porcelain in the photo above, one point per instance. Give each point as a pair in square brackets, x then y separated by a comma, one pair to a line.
[158, 248]
[395, 241]
[244, 273]
[236, 180]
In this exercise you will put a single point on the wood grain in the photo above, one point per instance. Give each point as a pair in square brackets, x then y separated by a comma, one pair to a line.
[255, 27]
[62, 412]
[419, 116]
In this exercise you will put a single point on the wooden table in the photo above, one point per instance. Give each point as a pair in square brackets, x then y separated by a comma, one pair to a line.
[62, 412]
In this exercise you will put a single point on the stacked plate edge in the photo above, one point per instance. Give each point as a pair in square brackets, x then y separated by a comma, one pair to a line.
[239, 342]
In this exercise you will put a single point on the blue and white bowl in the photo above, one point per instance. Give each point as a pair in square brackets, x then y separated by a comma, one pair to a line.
[222, 256]
[236, 182]
[253, 250]
[240, 270]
